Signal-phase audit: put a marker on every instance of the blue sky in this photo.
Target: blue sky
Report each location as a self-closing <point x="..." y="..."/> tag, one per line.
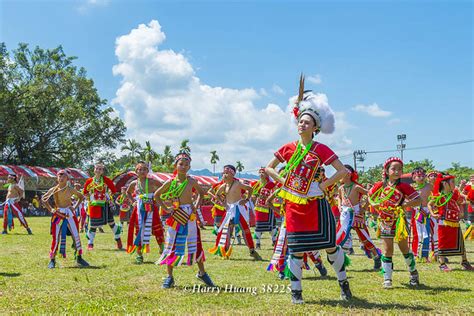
<point x="411" y="61"/>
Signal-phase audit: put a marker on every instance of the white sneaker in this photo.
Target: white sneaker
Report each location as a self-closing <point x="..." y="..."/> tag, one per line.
<point x="387" y="284"/>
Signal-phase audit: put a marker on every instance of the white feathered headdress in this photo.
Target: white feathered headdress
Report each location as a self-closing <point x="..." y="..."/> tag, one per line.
<point x="316" y="105"/>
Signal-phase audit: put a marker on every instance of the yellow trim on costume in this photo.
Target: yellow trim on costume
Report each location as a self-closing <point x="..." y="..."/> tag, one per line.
<point x="292" y="198"/>
<point x="297" y="199"/>
<point x="401" y="232"/>
<point x="262" y="209"/>
<point x="219" y="207"/>
<point x="450" y="224"/>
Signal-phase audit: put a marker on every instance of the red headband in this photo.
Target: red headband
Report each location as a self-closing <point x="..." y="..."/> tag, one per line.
<point x="418" y="172"/>
<point x="431" y="173"/>
<point x="387" y="163"/>
<point x="230" y="170"/>
<point x="182" y="156"/>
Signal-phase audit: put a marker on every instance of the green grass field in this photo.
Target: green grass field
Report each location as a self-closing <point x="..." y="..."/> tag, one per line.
<point x="115" y="284"/>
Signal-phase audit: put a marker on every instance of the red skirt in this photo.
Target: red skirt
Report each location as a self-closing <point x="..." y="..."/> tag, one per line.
<point x="302" y="217"/>
<point x="450" y="241"/>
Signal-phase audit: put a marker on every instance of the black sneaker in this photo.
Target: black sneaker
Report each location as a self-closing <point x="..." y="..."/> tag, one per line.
<point x="255" y="255"/>
<point x="168" y="283"/>
<point x="297" y="297"/>
<point x="206" y="279"/>
<point x="281" y="275"/>
<point x="4" y="232"/>
<point x="258" y="246"/>
<point x="239" y="240"/>
<point x="81" y="262"/>
<point x="139" y="259"/>
<point x="29" y="231"/>
<point x="52" y="264"/>
<point x="414" y="278"/>
<point x="377" y="263"/>
<point x="322" y="269"/>
<point x="345" y="290"/>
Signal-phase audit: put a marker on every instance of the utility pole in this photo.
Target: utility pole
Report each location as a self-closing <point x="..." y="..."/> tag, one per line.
<point x="359" y="156"/>
<point x="401" y="147"/>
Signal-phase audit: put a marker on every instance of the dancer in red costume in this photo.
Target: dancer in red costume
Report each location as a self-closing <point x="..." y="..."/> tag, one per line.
<point x="264" y="217"/>
<point x="310" y="223"/>
<point x="390" y="197"/>
<point x="467" y="190"/>
<point x="445" y="205"/>
<point x="99" y="210"/>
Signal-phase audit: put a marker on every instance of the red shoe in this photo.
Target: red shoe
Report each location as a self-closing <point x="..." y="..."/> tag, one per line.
<point x="119" y="244"/>
<point x="466" y="266"/>
<point x="90" y="247"/>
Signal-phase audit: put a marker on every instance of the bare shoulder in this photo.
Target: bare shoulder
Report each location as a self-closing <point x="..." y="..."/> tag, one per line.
<point x="191" y="180"/>
<point x="155" y="183"/>
<point x="361" y="189"/>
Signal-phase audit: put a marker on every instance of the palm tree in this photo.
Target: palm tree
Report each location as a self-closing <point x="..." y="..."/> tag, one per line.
<point x="167" y="157"/>
<point x="239" y="166"/>
<point x="214" y="160"/>
<point x="184" y="146"/>
<point x="134" y="148"/>
<point x="149" y="155"/>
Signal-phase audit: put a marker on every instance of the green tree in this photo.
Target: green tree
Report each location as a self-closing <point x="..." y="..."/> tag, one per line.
<point x="184" y="146"/>
<point x="239" y="166"/>
<point x="167" y="159"/>
<point x="214" y="160"/>
<point x="425" y="164"/>
<point x="372" y="175"/>
<point x="50" y="112"/>
<point x="134" y="148"/>
<point x="461" y="172"/>
<point x="148" y="154"/>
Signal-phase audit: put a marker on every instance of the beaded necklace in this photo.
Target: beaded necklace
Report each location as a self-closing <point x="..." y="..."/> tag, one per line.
<point x="437" y="199"/>
<point x="296" y="158"/>
<point x="174" y="190"/>
<point x="375" y="198"/>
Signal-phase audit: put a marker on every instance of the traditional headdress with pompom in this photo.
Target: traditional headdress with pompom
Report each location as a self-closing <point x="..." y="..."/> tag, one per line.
<point x="309" y="103"/>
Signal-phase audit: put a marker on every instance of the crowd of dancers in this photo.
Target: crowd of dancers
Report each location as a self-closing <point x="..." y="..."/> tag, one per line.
<point x="302" y="209"/>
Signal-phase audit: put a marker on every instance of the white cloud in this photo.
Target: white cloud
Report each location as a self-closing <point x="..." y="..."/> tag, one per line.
<point x="277" y="89"/>
<point x="263" y="92"/>
<point x="316" y="79"/>
<point x="162" y="100"/>
<point x="372" y="109"/>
